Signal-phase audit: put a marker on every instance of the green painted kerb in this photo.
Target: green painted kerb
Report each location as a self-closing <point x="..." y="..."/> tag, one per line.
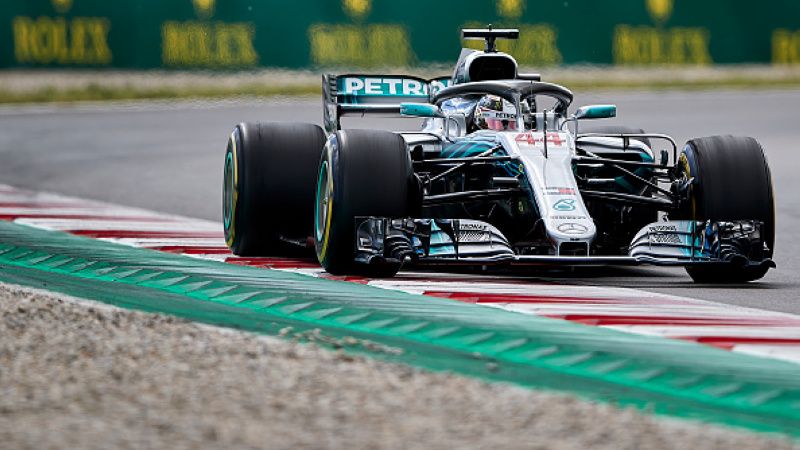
<point x="660" y="375"/>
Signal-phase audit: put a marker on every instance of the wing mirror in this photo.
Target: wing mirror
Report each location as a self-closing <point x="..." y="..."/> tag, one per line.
<point x="596" y="112"/>
<point x="420" y="110"/>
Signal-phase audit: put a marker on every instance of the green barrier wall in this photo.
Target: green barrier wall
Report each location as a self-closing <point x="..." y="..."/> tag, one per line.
<point x="219" y="34"/>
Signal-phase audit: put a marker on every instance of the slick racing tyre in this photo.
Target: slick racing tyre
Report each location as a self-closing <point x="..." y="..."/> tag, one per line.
<point x="361" y="173"/>
<point x="269" y="186"/>
<point x="732" y="181"/>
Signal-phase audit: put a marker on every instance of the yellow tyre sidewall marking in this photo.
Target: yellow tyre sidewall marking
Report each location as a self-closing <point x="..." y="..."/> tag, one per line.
<point x="235" y="193"/>
<point x="326" y="235"/>
<point x="684" y="161"/>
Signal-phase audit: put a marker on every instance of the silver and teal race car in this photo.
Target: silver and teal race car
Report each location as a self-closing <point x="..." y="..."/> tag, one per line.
<point x="501" y="172"/>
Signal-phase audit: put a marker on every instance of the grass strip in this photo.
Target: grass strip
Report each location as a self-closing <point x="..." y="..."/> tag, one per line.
<point x="96" y="92"/>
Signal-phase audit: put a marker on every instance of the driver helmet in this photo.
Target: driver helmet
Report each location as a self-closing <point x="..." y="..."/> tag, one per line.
<point x="495" y="113"/>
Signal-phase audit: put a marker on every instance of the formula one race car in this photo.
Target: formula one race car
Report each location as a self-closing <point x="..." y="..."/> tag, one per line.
<point x="500" y="173"/>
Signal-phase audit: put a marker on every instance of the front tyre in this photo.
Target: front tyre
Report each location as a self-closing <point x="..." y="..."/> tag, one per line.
<point x="362" y="173"/>
<point x="732" y="181"/>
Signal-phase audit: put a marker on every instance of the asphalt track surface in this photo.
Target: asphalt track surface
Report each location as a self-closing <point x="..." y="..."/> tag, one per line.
<point x="167" y="156"/>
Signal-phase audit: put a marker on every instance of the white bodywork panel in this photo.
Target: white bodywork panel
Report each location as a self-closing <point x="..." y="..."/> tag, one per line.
<point x="555" y="190"/>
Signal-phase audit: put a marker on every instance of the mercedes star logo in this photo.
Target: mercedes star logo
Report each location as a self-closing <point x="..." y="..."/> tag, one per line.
<point x="572" y="228"/>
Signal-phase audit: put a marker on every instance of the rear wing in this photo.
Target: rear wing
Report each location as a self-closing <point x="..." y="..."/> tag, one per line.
<point x="369" y="94"/>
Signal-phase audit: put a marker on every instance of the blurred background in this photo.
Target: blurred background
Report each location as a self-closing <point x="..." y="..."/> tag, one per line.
<point x="164" y="49"/>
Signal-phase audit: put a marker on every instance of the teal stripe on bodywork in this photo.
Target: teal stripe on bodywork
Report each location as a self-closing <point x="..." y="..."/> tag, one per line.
<point x="660" y="375"/>
<point x="468" y="147"/>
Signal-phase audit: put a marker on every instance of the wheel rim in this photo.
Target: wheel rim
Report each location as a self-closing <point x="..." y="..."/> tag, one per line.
<point x="323" y="205"/>
<point x="686" y="161"/>
<point x="227" y="191"/>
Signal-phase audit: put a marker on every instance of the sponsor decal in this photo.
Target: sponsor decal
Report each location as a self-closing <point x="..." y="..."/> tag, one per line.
<point x="667" y="234"/>
<point x="62" y="6"/>
<point x="660" y="45"/>
<point x="572" y="228"/>
<point x="786" y="46"/>
<point x="404" y="87"/>
<point x="510" y="9"/>
<point x="208" y="44"/>
<point x="568" y="217"/>
<point x="565" y="204"/>
<point x="472" y="227"/>
<point x="533" y="138"/>
<point x="635" y="45"/>
<point x="663" y="228"/>
<point x="660" y="10"/>
<point x="498" y="115"/>
<point x="559" y="191"/>
<point x="203" y="43"/>
<point x="60" y="40"/>
<point x="361" y="45"/>
<point x="473" y="232"/>
<point x="204" y="8"/>
<point x="357" y="9"/>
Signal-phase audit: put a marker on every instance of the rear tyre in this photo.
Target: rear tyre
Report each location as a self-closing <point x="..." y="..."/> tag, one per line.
<point x="361" y="173"/>
<point x="732" y="181"/>
<point x="269" y="186"/>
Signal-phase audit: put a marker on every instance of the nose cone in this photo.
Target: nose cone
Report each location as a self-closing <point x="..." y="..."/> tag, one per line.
<point x="571" y="230"/>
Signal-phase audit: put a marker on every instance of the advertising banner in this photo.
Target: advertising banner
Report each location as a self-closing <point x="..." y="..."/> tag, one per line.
<point x="371" y="34"/>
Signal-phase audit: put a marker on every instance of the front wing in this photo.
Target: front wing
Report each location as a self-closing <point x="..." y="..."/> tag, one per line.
<point x="471" y="242"/>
